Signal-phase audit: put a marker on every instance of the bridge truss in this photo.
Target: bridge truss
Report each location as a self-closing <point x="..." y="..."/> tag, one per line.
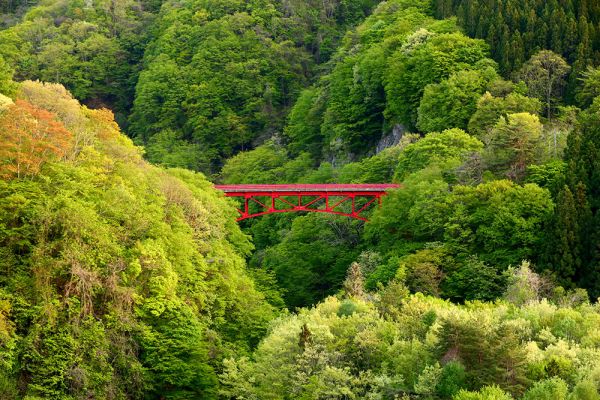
<point x="350" y="200"/>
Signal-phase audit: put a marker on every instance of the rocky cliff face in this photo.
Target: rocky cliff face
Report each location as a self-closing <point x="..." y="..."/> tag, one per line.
<point x="391" y="139"/>
<point x="340" y="155"/>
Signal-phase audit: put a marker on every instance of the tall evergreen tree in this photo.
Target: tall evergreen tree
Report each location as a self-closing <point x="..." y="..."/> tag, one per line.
<point x="583" y="180"/>
<point x="565" y="248"/>
<point x="565" y="27"/>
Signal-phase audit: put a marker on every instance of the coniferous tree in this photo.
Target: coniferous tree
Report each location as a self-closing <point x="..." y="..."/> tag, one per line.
<point x="564" y="243"/>
<point x="565" y="27"/>
<point x="583" y="180"/>
<point x="355" y="282"/>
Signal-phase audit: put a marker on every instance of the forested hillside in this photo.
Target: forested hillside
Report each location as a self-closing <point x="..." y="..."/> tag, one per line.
<point x="118" y="279"/>
<point x="517" y="29"/>
<point x="123" y="272"/>
<point x="93" y="48"/>
<point x="236" y="67"/>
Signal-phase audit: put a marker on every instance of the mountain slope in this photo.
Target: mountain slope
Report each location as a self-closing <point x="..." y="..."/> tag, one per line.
<point x="117" y="278"/>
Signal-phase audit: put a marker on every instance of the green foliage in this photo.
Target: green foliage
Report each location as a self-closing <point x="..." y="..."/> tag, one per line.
<point x="159" y="94"/>
<point x="563" y="246"/>
<point x="551" y="389"/>
<point x="174" y="352"/>
<point x="572" y="240"/>
<point x="121" y="279"/>
<point x="394" y="226"/>
<point x="223" y="75"/>
<point x="240" y="92"/>
<point x="487" y="393"/>
<point x="7" y="86"/>
<point x="585" y="390"/>
<point x="488" y="347"/>
<point x="422" y="347"/>
<point x="342" y="115"/>
<point x="50" y="363"/>
<point x="452" y="379"/>
<point x="215" y="75"/>
<point x="451" y="103"/>
<point x="256" y="166"/>
<point x="168" y="149"/>
<point x="311" y="260"/>
<point x="550" y="175"/>
<point x="267" y="163"/>
<point x="499" y="221"/>
<point x="319" y="27"/>
<point x="590" y="88"/>
<point x="384" y="273"/>
<point x="447" y="147"/>
<point x="311" y="371"/>
<point x="431" y="62"/>
<point x="376" y="169"/>
<point x="92" y="49"/>
<point x="303" y="128"/>
<point x="544" y="75"/>
<point x="517" y="29"/>
<point x="491" y="108"/>
<point x="473" y="279"/>
<point x="353" y="115"/>
<point x="8" y="387"/>
<point x="423" y="270"/>
<point x="524" y="286"/>
<point x="513" y="144"/>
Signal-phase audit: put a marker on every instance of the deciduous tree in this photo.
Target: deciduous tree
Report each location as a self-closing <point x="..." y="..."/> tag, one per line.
<point x="29" y="136"/>
<point x="512" y="145"/>
<point x="545" y="75"/>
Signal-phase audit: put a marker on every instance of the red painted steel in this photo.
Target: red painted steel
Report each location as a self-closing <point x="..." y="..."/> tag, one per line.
<point x="276" y="198"/>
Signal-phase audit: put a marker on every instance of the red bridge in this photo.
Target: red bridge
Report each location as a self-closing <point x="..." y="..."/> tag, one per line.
<point x="349" y="199"/>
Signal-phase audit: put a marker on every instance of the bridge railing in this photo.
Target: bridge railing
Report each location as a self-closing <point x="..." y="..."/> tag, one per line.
<point x="350" y="200"/>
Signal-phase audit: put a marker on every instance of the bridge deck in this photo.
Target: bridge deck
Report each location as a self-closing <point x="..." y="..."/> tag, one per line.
<point x="303" y="188"/>
<point x="342" y="199"/>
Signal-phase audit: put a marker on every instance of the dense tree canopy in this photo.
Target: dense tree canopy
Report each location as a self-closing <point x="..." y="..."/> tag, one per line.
<point x="412" y="69"/>
<point x="124" y="275"/>
<point x="396" y="345"/>
<point x="517" y="29"/>
<point x="118" y="278"/>
<point x="221" y="75"/>
<point x="91" y="48"/>
<point x="451" y="103"/>
<point x="343" y="116"/>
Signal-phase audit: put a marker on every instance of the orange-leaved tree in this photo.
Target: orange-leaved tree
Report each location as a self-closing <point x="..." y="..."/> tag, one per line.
<point x="30" y="136"/>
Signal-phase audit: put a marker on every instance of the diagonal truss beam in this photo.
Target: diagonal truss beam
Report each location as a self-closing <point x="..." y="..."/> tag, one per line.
<point x="310" y="198"/>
